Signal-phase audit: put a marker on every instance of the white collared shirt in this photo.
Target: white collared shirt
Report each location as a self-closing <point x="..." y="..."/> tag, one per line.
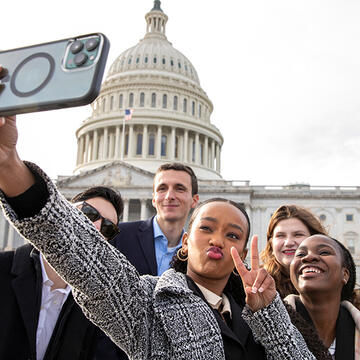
<point x="51" y="304"/>
<point x="215" y="300"/>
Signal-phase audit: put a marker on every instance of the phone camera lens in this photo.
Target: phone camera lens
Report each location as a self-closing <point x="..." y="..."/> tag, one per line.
<point x="92" y="44"/>
<point x="80" y="59"/>
<point x="76" y="46"/>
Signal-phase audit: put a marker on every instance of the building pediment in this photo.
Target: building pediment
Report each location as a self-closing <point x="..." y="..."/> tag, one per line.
<point x="117" y="174"/>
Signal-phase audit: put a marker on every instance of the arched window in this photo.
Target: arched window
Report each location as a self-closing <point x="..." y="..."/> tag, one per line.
<point x="172" y="62"/>
<point x="142" y="99"/>
<point x="163" y="145"/>
<point x="199" y="110"/>
<point x="137" y="60"/>
<point x="193" y="108"/>
<point x="151" y="144"/>
<point x="163" y="61"/>
<point x="131" y="100"/>
<point x="164" y="103"/>
<point x="111" y="102"/>
<point x="185" y="106"/>
<point x="121" y="98"/>
<point x="153" y="100"/>
<point x="126" y="144"/>
<point x="104" y="104"/>
<point x="139" y="144"/>
<point x="146" y="59"/>
<point x="175" y="105"/>
<point x="129" y="61"/>
<point x="155" y="60"/>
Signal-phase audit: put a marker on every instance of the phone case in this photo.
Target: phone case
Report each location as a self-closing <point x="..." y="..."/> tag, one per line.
<point x="52" y="75"/>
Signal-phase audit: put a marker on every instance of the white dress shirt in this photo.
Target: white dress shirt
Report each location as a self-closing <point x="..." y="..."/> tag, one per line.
<point x="51" y="304"/>
<point x="216" y="301"/>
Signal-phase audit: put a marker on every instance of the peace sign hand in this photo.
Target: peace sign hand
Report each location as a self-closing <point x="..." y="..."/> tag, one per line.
<point x="259" y="286"/>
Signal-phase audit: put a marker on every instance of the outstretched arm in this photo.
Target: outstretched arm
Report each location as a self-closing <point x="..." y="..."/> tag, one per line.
<point x="105" y="284"/>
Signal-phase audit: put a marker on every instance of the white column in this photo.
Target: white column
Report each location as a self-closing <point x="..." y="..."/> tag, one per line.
<point x="95" y="145"/>
<point x="144" y="141"/>
<point x="131" y="141"/>
<point x="217" y="157"/>
<point x="158" y="143"/>
<point x="80" y="157"/>
<point x="122" y="145"/>
<point x="105" y="144"/>
<point x="126" y="210"/>
<point x="172" y="145"/>
<point x="111" y="146"/>
<point x="197" y="149"/>
<point x="143" y="212"/>
<point x="87" y="141"/>
<point x="206" y="151"/>
<point x="213" y="154"/>
<point x="186" y="146"/>
<point x="117" y="142"/>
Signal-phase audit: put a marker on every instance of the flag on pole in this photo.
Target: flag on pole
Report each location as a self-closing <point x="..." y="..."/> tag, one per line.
<point x="128" y="114"/>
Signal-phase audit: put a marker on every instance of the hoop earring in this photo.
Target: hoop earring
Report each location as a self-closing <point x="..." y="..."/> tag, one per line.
<point x="181" y="256"/>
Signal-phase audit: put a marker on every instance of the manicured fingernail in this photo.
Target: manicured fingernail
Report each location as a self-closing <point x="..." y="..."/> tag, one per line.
<point x="261" y="289"/>
<point x="254" y="290"/>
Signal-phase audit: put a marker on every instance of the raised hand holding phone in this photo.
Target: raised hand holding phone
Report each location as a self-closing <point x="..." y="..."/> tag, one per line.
<point x="259" y="286"/>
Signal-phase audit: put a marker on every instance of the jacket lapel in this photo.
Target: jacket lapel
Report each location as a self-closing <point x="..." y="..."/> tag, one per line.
<point x="25" y="285"/>
<point x="146" y="239"/>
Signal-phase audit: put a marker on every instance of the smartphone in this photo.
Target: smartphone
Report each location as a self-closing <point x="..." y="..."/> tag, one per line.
<point x="52" y="75"/>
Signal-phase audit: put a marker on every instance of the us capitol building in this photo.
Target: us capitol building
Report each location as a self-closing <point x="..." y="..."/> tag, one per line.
<point x="171" y="122"/>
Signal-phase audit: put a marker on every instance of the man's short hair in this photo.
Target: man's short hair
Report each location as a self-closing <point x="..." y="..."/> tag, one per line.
<point x="104" y="192"/>
<point x="180" y="167"/>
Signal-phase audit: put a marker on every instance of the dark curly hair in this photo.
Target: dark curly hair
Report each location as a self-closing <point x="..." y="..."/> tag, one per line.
<point x="347" y="292"/>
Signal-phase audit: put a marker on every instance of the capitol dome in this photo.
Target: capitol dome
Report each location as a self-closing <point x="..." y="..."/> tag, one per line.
<point x="170" y="111"/>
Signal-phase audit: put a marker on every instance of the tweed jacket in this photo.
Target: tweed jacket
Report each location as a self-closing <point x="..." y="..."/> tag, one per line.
<point x="148" y="317"/>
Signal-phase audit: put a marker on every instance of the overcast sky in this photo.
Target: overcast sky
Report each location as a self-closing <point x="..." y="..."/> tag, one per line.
<point x="283" y="75"/>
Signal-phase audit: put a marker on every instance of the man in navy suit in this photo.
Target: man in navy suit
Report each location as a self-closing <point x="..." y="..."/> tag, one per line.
<point x="149" y="245"/>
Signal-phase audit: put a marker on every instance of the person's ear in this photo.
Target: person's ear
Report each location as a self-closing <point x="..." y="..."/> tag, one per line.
<point x="195" y="201"/>
<point x="185" y="238"/>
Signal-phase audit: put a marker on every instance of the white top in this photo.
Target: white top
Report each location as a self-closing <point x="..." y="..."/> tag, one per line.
<point x="51" y="304"/>
<point x="216" y="301"/>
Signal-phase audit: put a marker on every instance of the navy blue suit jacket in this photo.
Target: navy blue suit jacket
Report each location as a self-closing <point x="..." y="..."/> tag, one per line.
<point x="136" y="242"/>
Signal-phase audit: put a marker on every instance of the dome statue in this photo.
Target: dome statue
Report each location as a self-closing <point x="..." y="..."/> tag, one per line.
<point x="170" y="113"/>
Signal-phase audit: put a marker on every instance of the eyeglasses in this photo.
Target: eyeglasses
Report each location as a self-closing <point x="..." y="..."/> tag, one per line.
<point x="108" y="228"/>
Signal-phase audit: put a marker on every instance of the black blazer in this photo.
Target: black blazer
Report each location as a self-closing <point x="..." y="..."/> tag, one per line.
<point x="20" y="300"/>
<point x="136" y="242"/>
<point x="238" y="339"/>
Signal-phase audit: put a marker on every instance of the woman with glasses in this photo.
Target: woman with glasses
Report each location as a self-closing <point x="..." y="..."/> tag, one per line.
<point x="168" y="317"/>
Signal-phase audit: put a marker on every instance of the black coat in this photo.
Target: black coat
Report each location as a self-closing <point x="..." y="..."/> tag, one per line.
<point x="20" y="300"/>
